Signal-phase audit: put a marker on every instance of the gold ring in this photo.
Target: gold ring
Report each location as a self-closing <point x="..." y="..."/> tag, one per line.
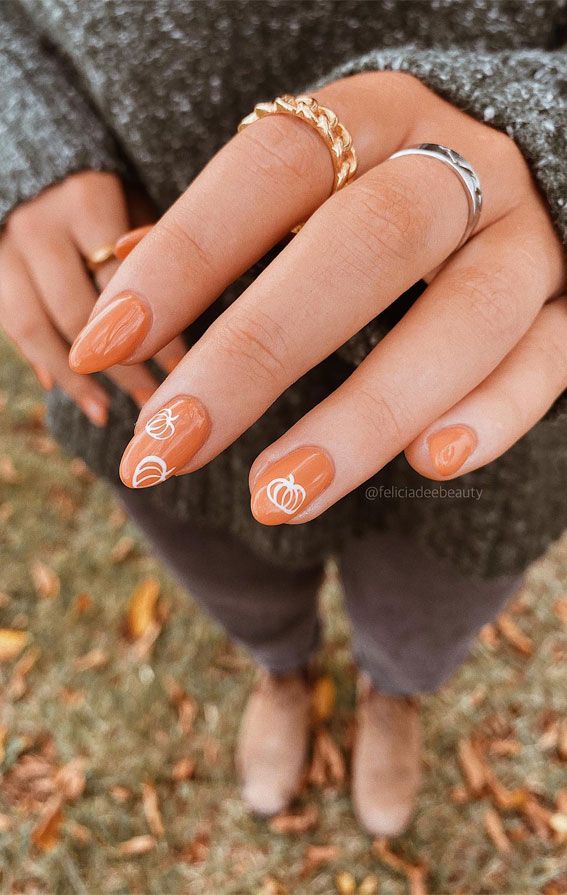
<point x="99" y="257"/>
<point x="334" y="134"/>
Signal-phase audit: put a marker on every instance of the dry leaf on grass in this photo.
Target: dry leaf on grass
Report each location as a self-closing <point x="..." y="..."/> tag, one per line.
<point x="6" y="823"/>
<point x="79" y="833"/>
<point x="196" y="851"/>
<point x="138" y="845"/>
<point x="8" y="472"/>
<point x="495" y="830"/>
<point x="96" y="658"/>
<point x="122" y="549"/>
<point x="506" y="747"/>
<point x="183" y="769"/>
<point x="17" y="685"/>
<point x="289" y="824"/>
<point x="345" y="883"/>
<point x="537" y="816"/>
<point x="185" y="705"/>
<point x="558" y="823"/>
<point x="45" y="580"/>
<point x="415" y="873"/>
<point x="562" y="740"/>
<point x="370" y="885"/>
<point x="514" y="635"/>
<point x="472" y="766"/>
<point x="327" y="765"/>
<point x="323" y="699"/>
<point x="560" y="609"/>
<point x="151" y="809"/>
<point x="561" y="800"/>
<point x="489" y="637"/>
<point x="81" y="471"/>
<point x="45" y="835"/>
<point x="11" y="643"/>
<point x="272" y="886"/>
<point x="70" y="779"/>
<point x="315" y="855"/>
<point x="120" y="793"/>
<point x="82" y="603"/>
<point x="141" y="613"/>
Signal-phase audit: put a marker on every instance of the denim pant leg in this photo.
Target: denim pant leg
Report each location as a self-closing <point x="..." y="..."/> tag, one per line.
<point x="270" y="612"/>
<point x="414" y="617"/>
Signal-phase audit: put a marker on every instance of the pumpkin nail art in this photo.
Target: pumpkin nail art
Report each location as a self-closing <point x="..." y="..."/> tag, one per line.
<point x="166" y="443"/>
<point x="111" y="335"/>
<point x="290" y="485"/>
<point x="450" y="447"/>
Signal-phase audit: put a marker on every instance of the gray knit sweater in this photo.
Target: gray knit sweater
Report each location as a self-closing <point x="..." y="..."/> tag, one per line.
<point x="152" y="88"/>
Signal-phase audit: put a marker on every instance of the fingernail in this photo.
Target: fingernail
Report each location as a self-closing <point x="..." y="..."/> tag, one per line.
<point x="450" y="447"/>
<point x="169" y="439"/>
<point x="112" y="335"/>
<point x="290" y="485"/>
<point x="142" y="395"/>
<point x="44" y="377"/>
<point x="129" y="241"/>
<point x="95" y="410"/>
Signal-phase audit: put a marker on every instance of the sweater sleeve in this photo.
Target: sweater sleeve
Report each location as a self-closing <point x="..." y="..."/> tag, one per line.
<point x="47" y="128"/>
<point x="522" y="93"/>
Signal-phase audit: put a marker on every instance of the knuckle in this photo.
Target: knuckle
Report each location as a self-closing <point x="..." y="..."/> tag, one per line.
<point x="270" y="154"/>
<point x="256" y="345"/>
<point x="489" y="301"/>
<point x="183" y="243"/>
<point x="383" y="414"/>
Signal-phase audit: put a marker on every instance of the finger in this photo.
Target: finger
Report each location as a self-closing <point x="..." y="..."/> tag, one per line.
<point x="263" y="182"/>
<point x="29" y="327"/>
<point x="501" y="409"/>
<point x="459" y="330"/>
<point x="128" y="241"/>
<point x="59" y="272"/>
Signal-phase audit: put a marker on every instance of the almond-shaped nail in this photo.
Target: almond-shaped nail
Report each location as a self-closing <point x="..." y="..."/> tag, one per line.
<point x="130" y="240"/>
<point x="169" y="439"/>
<point x="290" y="485"/>
<point x="112" y="335"/>
<point x="450" y="448"/>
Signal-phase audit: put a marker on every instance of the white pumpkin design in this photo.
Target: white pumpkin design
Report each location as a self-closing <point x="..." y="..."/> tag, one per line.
<point x="161" y="426"/>
<point x="286" y="494"/>
<point x="150" y="471"/>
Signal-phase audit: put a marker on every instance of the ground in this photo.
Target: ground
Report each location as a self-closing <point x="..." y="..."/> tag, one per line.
<point x="139" y="702"/>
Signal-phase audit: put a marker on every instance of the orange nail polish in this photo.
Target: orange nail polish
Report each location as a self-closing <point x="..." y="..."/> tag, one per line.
<point x="44" y="377"/>
<point x="450" y="447"/>
<point x="290" y="485"/>
<point x="95" y="410"/>
<point x="130" y="240"/>
<point x="112" y="335"/>
<point x="142" y="395"/>
<point x="170" y="438"/>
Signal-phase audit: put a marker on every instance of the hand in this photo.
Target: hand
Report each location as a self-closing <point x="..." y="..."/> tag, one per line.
<point x="471" y="367"/>
<point x="47" y="295"/>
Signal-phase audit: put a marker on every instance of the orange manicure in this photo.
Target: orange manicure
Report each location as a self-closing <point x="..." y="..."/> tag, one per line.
<point x="130" y="240"/>
<point x="450" y="447"/>
<point x="112" y="335"/>
<point x="166" y="443"/>
<point x="291" y="484"/>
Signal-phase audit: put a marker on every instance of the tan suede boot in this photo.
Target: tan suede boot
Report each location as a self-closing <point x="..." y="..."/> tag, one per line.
<point x="273" y="741"/>
<point x="386" y="761"/>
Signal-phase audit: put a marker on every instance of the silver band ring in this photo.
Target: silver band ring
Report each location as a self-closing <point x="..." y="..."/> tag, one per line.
<point x="464" y="171"/>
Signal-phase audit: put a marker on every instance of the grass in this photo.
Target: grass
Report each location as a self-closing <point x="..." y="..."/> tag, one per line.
<point x="119" y="717"/>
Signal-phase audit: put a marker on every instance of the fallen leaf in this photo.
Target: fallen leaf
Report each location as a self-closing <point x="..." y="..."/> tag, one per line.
<point x="45" y="835"/>
<point x="323" y="699"/>
<point x="120" y="793"/>
<point x="6" y="823"/>
<point x="183" y="769"/>
<point x="558" y="823"/>
<point x="45" y="580"/>
<point x="82" y="603"/>
<point x="505" y="799"/>
<point x="515" y="637"/>
<point x="301" y="822"/>
<point x="459" y="795"/>
<point x="196" y="851"/>
<point x="506" y="747"/>
<point x="151" y="809"/>
<point x="8" y="472"/>
<point x="186" y="706"/>
<point x="122" y="549"/>
<point x="141" y="614"/>
<point x="560" y="609"/>
<point x="81" y="834"/>
<point x="96" y="658"/>
<point x="315" y="855"/>
<point x="345" y="883"/>
<point x="561" y="800"/>
<point x="537" y="816"/>
<point x="70" y="779"/>
<point x="495" y="830"/>
<point x="328" y="766"/>
<point x="473" y="768"/>
<point x="489" y="638"/>
<point x="272" y="886"/>
<point x="138" y="845"/>
<point x="370" y="885"/>
<point x="5" y="599"/>
<point x="11" y="643"/>
<point x="415" y="873"/>
<point x="81" y="471"/>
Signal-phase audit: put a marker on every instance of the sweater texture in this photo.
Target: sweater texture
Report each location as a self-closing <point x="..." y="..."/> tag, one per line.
<point x="151" y="90"/>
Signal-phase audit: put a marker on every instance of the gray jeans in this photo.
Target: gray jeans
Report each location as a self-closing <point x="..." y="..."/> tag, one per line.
<point x="413" y="618"/>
